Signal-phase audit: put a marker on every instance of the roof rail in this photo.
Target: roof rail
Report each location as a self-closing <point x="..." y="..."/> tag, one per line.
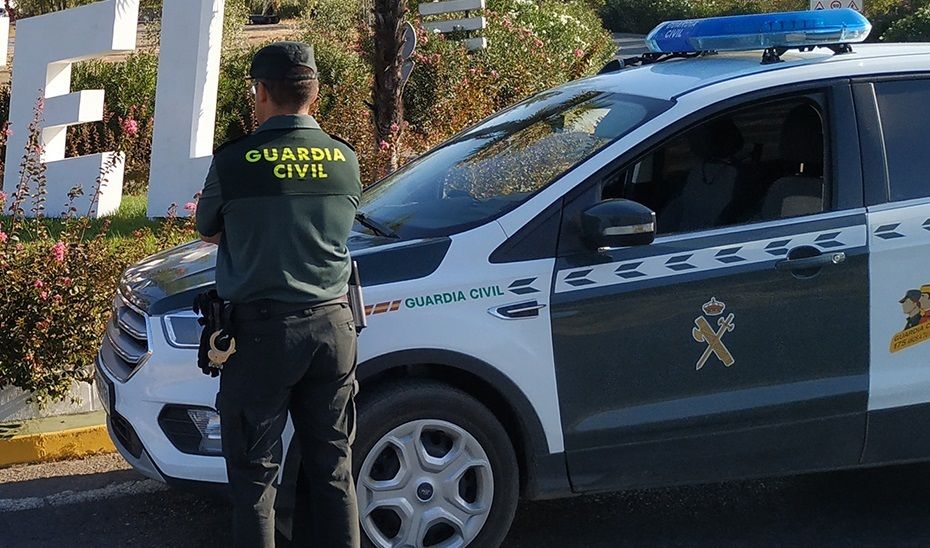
<point x="773" y="55"/>
<point x="649" y="59"/>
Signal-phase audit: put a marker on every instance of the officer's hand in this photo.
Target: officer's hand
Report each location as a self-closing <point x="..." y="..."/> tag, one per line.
<point x="209" y="371"/>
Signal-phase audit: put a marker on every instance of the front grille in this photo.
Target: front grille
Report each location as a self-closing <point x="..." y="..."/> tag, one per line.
<point x="125" y="344"/>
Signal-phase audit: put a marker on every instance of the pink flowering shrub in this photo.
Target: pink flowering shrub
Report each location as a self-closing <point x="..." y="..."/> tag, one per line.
<point x="58" y="282"/>
<point x="59" y="250"/>
<point x="129" y="126"/>
<point x="128" y="119"/>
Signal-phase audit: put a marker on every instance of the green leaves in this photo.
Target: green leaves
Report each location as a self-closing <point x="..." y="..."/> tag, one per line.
<point x="53" y="312"/>
<point x="910" y="27"/>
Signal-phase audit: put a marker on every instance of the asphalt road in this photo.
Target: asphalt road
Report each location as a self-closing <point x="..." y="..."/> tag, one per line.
<point x="629" y="45"/>
<point x="98" y="502"/>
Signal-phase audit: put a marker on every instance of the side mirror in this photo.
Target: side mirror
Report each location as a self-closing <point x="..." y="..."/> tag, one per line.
<point x="619" y="223"/>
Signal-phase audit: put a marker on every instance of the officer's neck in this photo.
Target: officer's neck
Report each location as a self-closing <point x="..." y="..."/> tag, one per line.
<point x="289" y="111"/>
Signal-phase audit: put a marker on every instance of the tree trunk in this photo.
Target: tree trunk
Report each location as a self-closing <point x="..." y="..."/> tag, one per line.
<point x="270" y="7"/>
<point x="387" y="94"/>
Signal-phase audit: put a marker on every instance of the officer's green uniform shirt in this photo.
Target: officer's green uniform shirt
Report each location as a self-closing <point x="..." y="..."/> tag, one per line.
<point x="285" y="199"/>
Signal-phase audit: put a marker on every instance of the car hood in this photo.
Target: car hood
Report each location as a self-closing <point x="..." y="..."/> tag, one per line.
<point x="171" y="279"/>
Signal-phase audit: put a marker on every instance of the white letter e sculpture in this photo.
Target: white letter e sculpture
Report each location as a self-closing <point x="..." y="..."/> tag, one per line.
<point x="46" y="47"/>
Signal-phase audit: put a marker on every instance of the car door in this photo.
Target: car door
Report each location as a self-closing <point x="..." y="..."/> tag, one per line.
<point x="737" y="343"/>
<point x="895" y="120"/>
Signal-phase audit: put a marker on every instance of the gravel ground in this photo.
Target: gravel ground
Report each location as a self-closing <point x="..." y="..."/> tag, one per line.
<point x="89" y="466"/>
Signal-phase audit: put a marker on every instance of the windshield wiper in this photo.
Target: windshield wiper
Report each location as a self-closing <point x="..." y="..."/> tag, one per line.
<point x="376" y="227"/>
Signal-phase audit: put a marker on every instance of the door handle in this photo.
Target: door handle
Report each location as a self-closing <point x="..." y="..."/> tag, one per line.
<point x="519" y="311"/>
<point x="806" y="263"/>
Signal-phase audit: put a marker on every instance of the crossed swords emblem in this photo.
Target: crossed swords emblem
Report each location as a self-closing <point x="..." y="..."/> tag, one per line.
<point x="714" y="339"/>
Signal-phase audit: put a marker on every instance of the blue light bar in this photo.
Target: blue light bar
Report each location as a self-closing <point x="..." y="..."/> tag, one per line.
<point x="763" y="31"/>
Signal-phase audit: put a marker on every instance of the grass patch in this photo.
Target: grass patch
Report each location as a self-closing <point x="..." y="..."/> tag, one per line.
<point x="130" y="217"/>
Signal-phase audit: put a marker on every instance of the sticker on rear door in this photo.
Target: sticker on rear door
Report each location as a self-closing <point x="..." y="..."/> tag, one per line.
<point x="916" y="307"/>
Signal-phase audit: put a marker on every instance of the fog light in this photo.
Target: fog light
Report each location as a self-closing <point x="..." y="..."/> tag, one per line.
<point x="208" y="424"/>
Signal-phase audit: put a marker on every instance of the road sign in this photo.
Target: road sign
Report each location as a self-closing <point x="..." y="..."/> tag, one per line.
<point x="857" y="5"/>
<point x="467" y="25"/>
<point x="410" y="44"/>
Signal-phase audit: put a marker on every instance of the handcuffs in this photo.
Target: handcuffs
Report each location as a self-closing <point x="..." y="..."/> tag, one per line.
<point x="215" y="318"/>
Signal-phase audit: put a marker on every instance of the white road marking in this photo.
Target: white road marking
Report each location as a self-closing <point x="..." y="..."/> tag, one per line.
<point x="65" y="498"/>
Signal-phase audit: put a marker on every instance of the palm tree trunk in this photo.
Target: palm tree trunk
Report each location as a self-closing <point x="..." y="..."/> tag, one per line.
<point x="387" y="95"/>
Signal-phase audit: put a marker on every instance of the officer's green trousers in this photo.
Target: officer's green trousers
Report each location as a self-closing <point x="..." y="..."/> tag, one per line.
<point x="301" y="362"/>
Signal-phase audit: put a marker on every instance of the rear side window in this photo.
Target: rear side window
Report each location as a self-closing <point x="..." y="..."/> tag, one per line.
<point x="905" y="112"/>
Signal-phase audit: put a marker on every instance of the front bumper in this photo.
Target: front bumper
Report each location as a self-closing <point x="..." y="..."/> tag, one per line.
<point x="141" y="461"/>
<point x="169" y="377"/>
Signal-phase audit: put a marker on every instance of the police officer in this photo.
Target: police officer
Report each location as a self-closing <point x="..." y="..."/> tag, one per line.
<point x="280" y="204"/>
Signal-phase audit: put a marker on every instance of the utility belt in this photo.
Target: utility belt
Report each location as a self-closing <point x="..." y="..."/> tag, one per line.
<point x="263" y="310"/>
<point x="219" y="318"/>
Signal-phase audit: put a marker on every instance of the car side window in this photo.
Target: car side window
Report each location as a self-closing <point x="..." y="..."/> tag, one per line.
<point x="763" y="162"/>
<point x="902" y="105"/>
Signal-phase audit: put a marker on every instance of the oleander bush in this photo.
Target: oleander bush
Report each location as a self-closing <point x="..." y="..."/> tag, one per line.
<point x="234" y="103"/>
<point x="59" y="277"/>
<point x="533" y="45"/>
<point x="893" y="20"/>
<point x="907" y="21"/>
<point x="638" y="17"/>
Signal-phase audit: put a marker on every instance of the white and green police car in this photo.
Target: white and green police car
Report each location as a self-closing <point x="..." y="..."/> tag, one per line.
<point x="711" y="263"/>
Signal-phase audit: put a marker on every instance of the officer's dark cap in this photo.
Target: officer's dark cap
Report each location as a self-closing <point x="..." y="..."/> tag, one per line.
<point x="911" y="295"/>
<point x="277" y="62"/>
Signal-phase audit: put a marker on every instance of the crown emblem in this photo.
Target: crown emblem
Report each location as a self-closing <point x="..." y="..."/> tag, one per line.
<point x="713" y="307"/>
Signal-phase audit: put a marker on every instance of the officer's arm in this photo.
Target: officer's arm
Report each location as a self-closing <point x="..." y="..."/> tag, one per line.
<point x="209" y="209"/>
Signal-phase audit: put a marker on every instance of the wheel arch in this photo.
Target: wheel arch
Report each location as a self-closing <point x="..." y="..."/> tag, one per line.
<point x="542" y="474"/>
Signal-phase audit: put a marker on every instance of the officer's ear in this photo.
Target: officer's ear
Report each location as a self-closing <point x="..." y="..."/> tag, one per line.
<point x="314" y="98"/>
<point x="261" y="92"/>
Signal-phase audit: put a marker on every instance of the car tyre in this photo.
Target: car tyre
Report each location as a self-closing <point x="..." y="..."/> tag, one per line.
<point x="441" y="425"/>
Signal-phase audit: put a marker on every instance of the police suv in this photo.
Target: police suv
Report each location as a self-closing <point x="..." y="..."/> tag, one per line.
<point x="702" y="264"/>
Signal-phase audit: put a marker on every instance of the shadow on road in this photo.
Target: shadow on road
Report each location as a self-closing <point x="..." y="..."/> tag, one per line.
<point x="45" y="487"/>
<point x="880" y="507"/>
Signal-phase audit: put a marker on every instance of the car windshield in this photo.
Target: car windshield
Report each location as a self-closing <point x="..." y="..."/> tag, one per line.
<point x="494" y="166"/>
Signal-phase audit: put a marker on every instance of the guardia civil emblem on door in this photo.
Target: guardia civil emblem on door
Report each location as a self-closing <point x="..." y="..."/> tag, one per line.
<point x="704" y="332"/>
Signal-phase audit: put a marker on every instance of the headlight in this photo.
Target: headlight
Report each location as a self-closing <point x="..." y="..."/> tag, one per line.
<point x="182" y="330"/>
